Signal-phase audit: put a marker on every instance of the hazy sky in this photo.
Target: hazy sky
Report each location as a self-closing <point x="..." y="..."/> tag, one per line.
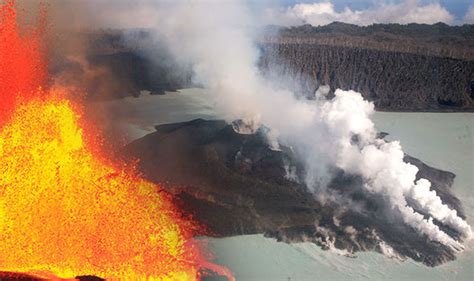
<point x="456" y="7"/>
<point x="366" y="12"/>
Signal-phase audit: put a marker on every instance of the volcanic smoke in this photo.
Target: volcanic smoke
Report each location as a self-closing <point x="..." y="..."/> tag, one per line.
<point x="65" y="209"/>
<point x="219" y="41"/>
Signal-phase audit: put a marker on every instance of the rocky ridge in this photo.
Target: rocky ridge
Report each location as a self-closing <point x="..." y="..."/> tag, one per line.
<point x="412" y="67"/>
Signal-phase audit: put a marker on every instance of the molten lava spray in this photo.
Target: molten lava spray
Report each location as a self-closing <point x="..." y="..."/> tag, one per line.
<point x="63" y="209"/>
<point x="22" y="67"/>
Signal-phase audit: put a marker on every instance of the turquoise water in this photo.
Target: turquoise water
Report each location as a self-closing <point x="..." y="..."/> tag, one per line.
<point x="138" y="116"/>
<point x="442" y="140"/>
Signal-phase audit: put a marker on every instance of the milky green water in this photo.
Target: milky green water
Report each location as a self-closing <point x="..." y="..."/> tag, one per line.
<point x="442" y="140"/>
<point x="138" y="116"/>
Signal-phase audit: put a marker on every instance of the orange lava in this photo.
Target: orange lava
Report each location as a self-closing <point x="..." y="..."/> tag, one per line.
<point x="22" y="67"/>
<point x="63" y="209"/>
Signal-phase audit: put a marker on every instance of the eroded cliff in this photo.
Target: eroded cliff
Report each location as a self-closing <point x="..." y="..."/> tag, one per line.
<point x="407" y="68"/>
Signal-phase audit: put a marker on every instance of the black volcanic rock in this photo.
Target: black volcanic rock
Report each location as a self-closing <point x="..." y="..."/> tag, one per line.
<point x="235" y="185"/>
<point x="5" y="275"/>
<point x="18" y="276"/>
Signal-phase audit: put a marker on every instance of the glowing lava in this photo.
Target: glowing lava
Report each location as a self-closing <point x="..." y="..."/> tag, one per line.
<point x="63" y="209"/>
<point x="22" y="67"/>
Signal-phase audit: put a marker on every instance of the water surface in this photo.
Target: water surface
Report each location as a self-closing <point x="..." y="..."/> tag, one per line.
<point x="442" y="140"/>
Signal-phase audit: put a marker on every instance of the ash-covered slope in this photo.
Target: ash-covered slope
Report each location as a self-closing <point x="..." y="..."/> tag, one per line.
<point x="235" y="184"/>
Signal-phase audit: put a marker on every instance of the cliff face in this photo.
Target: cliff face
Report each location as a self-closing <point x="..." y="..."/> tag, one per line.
<point x="407" y="68"/>
<point x="400" y="68"/>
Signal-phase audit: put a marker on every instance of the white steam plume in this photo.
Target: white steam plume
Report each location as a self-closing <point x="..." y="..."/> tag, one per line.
<point x="217" y="39"/>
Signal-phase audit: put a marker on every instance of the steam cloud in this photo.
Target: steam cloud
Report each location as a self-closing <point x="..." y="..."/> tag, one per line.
<point x="218" y="40"/>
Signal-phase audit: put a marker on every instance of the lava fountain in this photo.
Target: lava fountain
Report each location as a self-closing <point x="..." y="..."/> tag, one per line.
<point x="65" y="209"/>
